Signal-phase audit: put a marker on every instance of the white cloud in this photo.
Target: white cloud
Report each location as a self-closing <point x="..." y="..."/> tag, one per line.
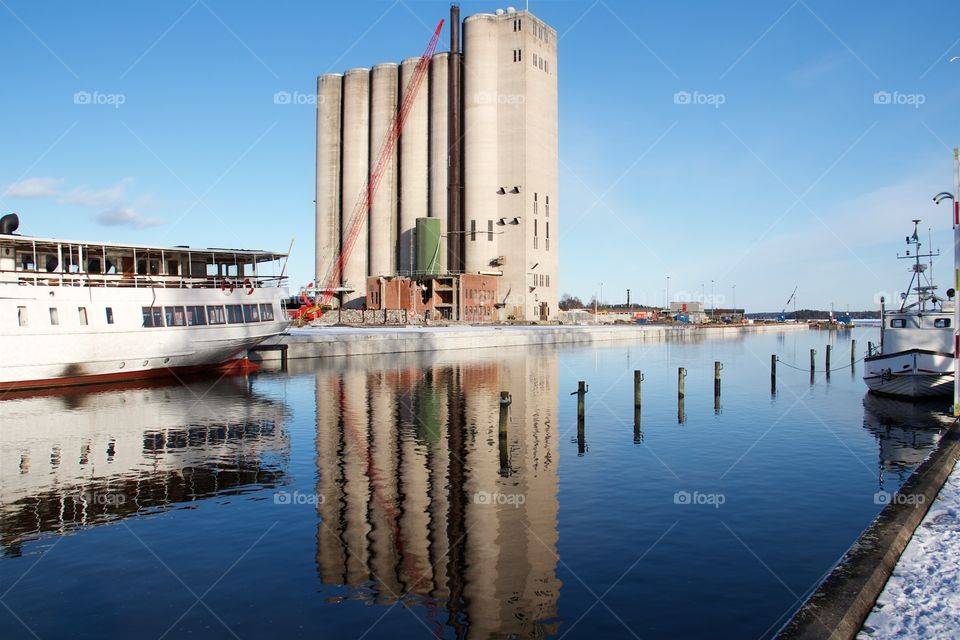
<point x="86" y="197"/>
<point x="33" y="188"/>
<point x="126" y="217"/>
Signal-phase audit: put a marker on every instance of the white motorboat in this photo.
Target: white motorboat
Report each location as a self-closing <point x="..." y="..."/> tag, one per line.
<point x="915" y="356"/>
<point x="92" y="312"/>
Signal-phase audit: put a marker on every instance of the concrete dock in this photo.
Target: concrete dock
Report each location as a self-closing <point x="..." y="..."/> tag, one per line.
<point x="323" y="342"/>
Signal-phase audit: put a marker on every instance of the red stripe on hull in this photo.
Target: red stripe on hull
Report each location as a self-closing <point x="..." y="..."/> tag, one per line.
<point x="241" y="366"/>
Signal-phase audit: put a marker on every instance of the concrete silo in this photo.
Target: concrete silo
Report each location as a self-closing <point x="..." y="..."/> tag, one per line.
<point x="480" y="77"/>
<point x="356" y="169"/>
<point x="414" y="158"/>
<point x="383" y="209"/>
<point x="329" y="89"/>
<point x="439" y="148"/>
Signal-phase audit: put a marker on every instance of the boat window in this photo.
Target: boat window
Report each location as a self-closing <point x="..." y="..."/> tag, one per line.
<point x="54" y="315"/>
<point x="898" y="323"/>
<point x="152" y="317"/>
<point x="109" y="315"/>
<point x="22" y="316"/>
<point x="266" y="312"/>
<point x="175" y="316"/>
<point x="941" y="323"/>
<point x="82" y="312"/>
<point x="196" y="316"/>
<point x="216" y="315"/>
<point x="251" y="313"/>
<point x="234" y="314"/>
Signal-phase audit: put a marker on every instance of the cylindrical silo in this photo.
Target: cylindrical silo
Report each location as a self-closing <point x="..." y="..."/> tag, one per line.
<point x="383" y="209"/>
<point x="329" y="87"/>
<point x="439" y="149"/>
<point x="356" y="167"/>
<point x="480" y="75"/>
<point x="414" y="158"/>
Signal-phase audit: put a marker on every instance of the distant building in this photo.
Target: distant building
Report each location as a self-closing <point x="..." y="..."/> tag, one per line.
<point x="478" y="153"/>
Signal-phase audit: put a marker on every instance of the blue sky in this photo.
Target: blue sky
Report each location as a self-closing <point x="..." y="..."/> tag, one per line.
<point x="743" y="143"/>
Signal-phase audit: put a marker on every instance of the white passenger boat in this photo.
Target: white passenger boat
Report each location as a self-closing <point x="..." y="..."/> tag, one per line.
<point x="90" y="312"/>
<point x="915" y="357"/>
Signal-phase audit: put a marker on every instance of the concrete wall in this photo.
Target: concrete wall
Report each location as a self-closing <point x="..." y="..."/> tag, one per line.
<point x="329" y="88"/>
<point x="383" y="209"/>
<point x="356" y="166"/>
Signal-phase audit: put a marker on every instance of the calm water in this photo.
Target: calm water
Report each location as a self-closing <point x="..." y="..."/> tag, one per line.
<point x="367" y="497"/>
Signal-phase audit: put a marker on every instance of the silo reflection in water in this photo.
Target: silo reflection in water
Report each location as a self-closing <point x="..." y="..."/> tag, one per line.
<point x="415" y="507"/>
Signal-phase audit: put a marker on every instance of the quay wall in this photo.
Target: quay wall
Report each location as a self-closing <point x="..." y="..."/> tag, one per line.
<point x="322" y="342"/>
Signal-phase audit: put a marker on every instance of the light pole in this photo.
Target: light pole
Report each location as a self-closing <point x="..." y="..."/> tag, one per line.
<point x="713" y="301"/>
<point x="955" y="197"/>
<point x="668" y="293"/>
<point x="734" y="312"/>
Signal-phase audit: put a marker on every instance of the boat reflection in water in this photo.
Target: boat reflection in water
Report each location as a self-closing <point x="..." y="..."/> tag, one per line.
<point x="87" y="457"/>
<point x="906" y="431"/>
<point x="416" y="503"/>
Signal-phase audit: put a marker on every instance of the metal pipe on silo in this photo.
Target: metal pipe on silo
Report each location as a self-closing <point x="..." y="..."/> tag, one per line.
<point x="329" y="87"/>
<point x="383" y="210"/>
<point x="356" y="169"/>
<point x="455" y="150"/>
<point x="414" y="158"/>
<point x="479" y="138"/>
<point x="439" y="149"/>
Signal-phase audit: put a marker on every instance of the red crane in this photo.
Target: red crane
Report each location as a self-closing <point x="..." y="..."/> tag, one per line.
<point x="311" y="310"/>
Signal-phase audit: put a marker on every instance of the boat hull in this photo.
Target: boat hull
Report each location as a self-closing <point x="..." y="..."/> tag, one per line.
<point x="108" y="342"/>
<point x="914" y="373"/>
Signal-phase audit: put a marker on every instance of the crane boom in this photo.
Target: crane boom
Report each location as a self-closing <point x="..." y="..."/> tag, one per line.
<point x="365" y="198"/>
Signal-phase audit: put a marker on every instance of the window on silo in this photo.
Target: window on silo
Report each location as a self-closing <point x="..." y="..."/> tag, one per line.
<point x="534" y="203"/>
<point x="490" y="230"/>
<point x="548" y="206"/>
<point x="473" y="230"/>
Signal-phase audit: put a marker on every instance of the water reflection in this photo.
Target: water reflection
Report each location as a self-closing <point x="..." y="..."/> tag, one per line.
<point x="906" y="432"/>
<point x="421" y="500"/>
<point x="84" y="457"/>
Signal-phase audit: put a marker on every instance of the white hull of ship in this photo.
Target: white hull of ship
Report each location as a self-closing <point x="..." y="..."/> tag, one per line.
<point x="43" y="354"/>
<point x="915" y="373"/>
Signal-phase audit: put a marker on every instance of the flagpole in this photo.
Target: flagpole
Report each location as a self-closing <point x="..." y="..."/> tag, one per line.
<point x="956" y="282"/>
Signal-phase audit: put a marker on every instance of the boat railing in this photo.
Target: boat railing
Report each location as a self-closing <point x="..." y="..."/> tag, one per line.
<point x="137" y="281"/>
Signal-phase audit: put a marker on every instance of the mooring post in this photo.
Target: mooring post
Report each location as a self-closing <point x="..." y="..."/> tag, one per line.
<point x="716" y="377"/>
<point x="813" y="360"/>
<point x="681" y="377"/>
<point x="637" y="379"/>
<point x="853" y="352"/>
<point x="773" y="374"/>
<point x="681" y="414"/>
<point x="581" y="427"/>
<point x="505" y="401"/>
<point x="827" y="360"/>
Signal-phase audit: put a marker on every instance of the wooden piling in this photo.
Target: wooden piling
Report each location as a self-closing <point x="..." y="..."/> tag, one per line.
<point x="681" y="377"/>
<point x="637" y="379"/>
<point x="813" y="360"/>
<point x="773" y="374"/>
<point x="853" y="352"/>
<point x="827" y="360"/>
<point x="505" y="401"/>
<point x="581" y="424"/>
<point x="716" y="377"/>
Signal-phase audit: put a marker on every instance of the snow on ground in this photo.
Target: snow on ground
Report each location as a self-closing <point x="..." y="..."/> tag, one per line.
<point x="922" y="597"/>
